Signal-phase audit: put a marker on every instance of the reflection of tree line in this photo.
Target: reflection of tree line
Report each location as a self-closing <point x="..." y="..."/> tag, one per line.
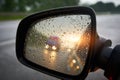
<point x="35" y="38"/>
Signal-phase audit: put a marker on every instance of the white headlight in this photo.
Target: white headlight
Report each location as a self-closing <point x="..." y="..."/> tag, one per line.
<point x="74" y="61"/>
<point x="54" y="47"/>
<point x="47" y="46"/>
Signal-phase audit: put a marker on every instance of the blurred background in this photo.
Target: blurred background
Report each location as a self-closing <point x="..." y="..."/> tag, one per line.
<point x="17" y="9"/>
<point x="11" y="13"/>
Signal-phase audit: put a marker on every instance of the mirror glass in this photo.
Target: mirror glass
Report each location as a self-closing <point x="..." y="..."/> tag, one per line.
<point x="59" y="43"/>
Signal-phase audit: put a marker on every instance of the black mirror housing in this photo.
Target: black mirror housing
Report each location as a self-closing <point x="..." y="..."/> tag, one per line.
<point x="25" y="25"/>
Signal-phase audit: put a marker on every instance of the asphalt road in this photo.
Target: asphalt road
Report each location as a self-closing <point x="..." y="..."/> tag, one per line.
<point x="11" y="69"/>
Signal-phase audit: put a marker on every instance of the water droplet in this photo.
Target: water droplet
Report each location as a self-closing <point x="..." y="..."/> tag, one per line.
<point x="64" y="32"/>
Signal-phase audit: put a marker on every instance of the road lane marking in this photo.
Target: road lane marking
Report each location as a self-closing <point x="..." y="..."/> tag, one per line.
<point x="3" y="43"/>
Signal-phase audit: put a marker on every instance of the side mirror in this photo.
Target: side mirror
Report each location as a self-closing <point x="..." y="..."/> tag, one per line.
<point x="58" y="42"/>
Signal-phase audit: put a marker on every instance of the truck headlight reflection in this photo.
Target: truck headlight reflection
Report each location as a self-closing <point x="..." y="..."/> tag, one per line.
<point x="54" y="47"/>
<point x="47" y="46"/>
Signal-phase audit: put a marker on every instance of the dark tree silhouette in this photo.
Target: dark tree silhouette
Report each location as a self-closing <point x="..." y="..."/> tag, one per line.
<point x="33" y="5"/>
<point x="105" y="7"/>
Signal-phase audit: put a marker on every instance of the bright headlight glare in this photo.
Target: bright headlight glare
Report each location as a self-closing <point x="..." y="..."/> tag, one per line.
<point x="74" y="61"/>
<point x="54" y="47"/>
<point x="47" y="46"/>
<point x="77" y="67"/>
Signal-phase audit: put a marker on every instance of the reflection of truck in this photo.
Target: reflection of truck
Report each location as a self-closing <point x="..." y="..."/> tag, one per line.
<point x="53" y="43"/>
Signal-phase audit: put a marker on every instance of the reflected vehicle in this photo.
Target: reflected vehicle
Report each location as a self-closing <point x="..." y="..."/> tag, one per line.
<point x="53" y="43"/>
<point x="74" y="64"/>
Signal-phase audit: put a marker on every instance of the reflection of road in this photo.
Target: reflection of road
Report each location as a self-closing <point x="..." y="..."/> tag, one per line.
<point x="62" y="61"/>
